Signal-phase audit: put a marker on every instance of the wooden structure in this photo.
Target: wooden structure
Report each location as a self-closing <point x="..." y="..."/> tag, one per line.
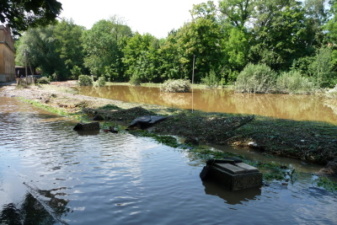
<point x="7" y="55"/>
<point x="233" y="174"/>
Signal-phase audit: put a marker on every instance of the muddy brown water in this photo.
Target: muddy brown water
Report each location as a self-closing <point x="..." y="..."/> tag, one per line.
<point x="50" y="174"/>
<point x="294" y="107"/>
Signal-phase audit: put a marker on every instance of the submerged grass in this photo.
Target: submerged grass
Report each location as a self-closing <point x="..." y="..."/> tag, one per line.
<point x="76" y="116"/>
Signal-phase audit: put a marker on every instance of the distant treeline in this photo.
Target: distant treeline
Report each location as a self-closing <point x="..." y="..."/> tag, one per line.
<point x="286" y="36"/>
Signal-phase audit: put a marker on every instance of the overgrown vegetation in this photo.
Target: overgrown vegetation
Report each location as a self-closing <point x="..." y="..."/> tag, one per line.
<point x="100" y="82"/>
<point x="293" y="82"/>
<point x="256" y="79"/>
<point x="176" y="86"/>
<point x="85" y="80"/>
<point x="43" y="80"/>
<point x="220" y="46"/>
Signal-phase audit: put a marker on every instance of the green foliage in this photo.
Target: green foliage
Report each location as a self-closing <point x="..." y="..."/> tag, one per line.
<point x="293" y="82"/>
<point x="327" y="184"/>
<point x="101" y="82"/>
<point x="141" y="58"/>
<point x="211" y="80"/>
<point x="109" y="107"/>
<point x="20" y="15"/>
<point x="54" y="49"/>
<point x="256" y="79"/>
<point x="135" y="80"/>
<point x="321" y="68"/>
<point x="176" y="86"/>
<point x="220" y="39"/>
<point x="103" y="45"/>
<point x="84" y="80"/>
<point x="43" y="80"/>
<point x="75" y="71"/>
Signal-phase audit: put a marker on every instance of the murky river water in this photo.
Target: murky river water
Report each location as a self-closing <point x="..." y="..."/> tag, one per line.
<point x="294" y="107"/>
<point x="50" y="174"/>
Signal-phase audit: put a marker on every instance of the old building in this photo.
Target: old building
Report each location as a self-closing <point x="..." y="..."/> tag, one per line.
<point x="7" y="55"/>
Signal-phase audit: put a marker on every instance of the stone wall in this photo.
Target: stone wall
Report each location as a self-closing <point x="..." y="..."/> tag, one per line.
<point x="7" y="55"/>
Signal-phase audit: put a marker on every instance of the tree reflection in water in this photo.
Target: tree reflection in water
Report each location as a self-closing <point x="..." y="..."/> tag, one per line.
<point x="34" y="210"/>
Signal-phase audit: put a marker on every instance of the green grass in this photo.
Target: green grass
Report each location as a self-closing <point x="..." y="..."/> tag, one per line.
<point x="76" y="116"/>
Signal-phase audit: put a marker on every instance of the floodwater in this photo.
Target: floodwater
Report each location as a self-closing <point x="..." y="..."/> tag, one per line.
<point x="50" y="174"/>
<point x="293" y="107"/>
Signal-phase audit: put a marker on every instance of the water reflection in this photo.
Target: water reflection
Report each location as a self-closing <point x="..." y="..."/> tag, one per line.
<point x="231" y="197"/>
<point x="294" y="107"/>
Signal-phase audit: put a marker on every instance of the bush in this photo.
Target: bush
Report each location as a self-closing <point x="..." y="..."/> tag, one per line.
<point x="293" y="82"/>
<point x="43" y="80"/>
<point x="211" y="80"/>
<point x="256" y="79"/>
<point x="176" y="86"/>
<point x="84" y="80"/>
<point x="135" y="80"/>
<point x="101" y="82"/>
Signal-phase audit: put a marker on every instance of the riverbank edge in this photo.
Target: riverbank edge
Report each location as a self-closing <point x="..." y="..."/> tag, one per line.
<point x="307" y="141"/>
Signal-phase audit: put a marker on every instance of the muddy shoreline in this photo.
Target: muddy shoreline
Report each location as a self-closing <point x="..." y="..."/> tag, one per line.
<point x="307" y="141"/>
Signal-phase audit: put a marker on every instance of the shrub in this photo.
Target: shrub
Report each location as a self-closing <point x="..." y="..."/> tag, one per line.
<point x="256" y="79"/>
<point x="293" y="82"/>
<point x="179" y="85"/>
<point x="84" y="80"/>
<point x="43" y="80"/>
<point x="135" y="80"/>
<point x="211" y="80"/>
<point x="101" y="82"/>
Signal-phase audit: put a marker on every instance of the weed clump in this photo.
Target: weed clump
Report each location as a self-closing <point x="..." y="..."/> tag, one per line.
<point x="43" y="80"/>
<point x="256" y="79"/>
<point x="84" y="80"/>
<point x="179" y="85"/>
<point x="293" y="82"/>
<point x="100" y="82"/>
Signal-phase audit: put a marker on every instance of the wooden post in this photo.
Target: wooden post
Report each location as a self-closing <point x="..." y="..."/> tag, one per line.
<point x="25" y="52"/>
<point x="193" y="83"/>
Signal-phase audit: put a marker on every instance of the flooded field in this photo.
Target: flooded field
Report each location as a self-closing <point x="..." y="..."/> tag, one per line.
<point x="50" y="174"/>
<point x="294" y="107"/>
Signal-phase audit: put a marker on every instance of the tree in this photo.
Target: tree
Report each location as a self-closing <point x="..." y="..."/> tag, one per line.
<point x="20" y="15"/>
<point x="40" y="46"/>
<point x="237" y="12"/>
<point x="67" y="35"/>
<point x="103" y="45"/>
<point x="54" y="49"/>
<point x="141" y="57"/>
<point x="200" y="40"/>
<point x="279" y="33"/>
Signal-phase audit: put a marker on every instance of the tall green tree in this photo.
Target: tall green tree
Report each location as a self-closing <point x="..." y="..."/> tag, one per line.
<point x="67" y="35"/>
<point x="55" y="49"/>
<point x="279" y="33"/>
<point x="200" y="40"/>
<point x="141" y="57"/>
<point x="103" y="46"/>
<point x="39" y="47"/>
<point x="237" y="12"/>
<point x="169" y="58"/>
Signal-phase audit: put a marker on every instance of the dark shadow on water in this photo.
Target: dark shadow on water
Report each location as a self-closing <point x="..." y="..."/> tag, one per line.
<point x="230" y="197"/>
<point x="87" y="132"/>
<point x="34" y="211"/>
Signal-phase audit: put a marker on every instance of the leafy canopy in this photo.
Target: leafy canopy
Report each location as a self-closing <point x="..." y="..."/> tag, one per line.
<point x="19" y="14"/>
